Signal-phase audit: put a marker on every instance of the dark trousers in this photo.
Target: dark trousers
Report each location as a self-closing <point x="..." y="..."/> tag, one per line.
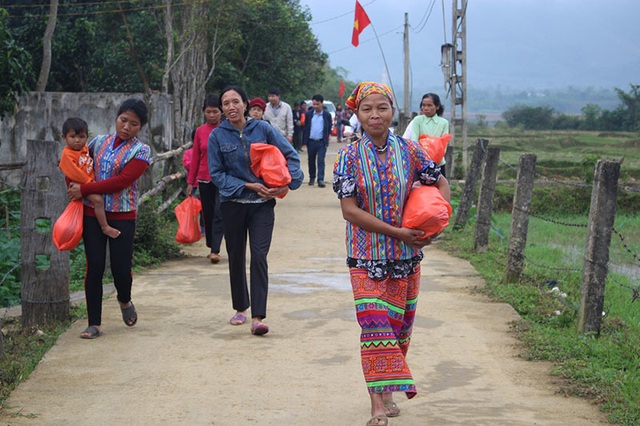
<point x="317" y="150"/>
<point x="121" y="255"/>
<point x="297" y="138"/>
<point x="339" y="129"/>
<point x="255" y="220"/>
<point x="213" y="227"/>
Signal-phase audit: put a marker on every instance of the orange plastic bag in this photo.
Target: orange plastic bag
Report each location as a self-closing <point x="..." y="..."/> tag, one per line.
<point x="188" y="215"/>
<point x="426" y="210"/>
<point x="67" y="231"/>
<point x="435" y="146"/>
<point x="268" y="163"/>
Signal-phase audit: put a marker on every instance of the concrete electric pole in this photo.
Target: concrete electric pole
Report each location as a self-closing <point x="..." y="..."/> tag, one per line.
<point x="407" y="89"/>
<point x="454" y="67"/>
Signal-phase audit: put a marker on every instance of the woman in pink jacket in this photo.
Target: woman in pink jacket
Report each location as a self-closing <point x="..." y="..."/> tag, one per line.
<point x="199" y="176"/>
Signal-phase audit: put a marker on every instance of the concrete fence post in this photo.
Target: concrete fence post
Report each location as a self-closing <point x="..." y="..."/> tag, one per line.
<point x="485" y="200"/>
<point x="520" y="217"/>
<point x="468" y="194"/>
<point x="45" y="270"/>
<point x="596" y="255"/>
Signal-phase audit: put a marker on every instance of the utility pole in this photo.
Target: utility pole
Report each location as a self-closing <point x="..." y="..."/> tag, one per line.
<point x="454" y="67"/>
<point x="407" y="89"/>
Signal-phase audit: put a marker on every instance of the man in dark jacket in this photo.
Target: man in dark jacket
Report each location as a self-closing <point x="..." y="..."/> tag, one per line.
<point x="317" y="129"/>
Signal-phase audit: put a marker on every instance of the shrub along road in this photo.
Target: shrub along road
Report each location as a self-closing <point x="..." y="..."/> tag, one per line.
<point x="184" y="364"/>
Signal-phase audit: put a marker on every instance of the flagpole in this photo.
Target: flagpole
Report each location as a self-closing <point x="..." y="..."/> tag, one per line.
<point x="384" y="59"/>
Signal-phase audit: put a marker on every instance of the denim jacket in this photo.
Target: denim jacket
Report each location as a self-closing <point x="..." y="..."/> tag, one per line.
<point x="229" y="162"/>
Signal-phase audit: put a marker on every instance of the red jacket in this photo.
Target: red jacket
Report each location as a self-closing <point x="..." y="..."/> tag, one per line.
<point x="199" y="169"/>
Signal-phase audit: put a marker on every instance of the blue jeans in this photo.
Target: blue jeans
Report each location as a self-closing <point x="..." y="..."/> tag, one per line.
<point x="317" y="149"/>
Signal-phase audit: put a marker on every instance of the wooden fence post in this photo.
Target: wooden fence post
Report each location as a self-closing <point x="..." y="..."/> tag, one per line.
<point x="468" y="195"/>
<point x="485" y="200"/>
<point x="596" y="255"/>
<point x="45" y="270"/>
<point x="450" y="164"/>
<point x="520" y="217"/>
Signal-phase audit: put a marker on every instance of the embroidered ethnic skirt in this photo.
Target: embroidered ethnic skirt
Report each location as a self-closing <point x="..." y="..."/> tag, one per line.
<point x="385" y="310"/>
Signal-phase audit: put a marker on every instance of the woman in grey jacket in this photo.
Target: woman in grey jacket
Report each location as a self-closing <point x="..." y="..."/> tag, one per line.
<point x="247" y="204"/>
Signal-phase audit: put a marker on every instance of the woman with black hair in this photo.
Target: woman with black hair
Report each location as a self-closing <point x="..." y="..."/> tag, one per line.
<point x="198" y="177"/>
<point x="247" y="204"/>
<point x="120" y="159"/>
<point x="430" y="122"/>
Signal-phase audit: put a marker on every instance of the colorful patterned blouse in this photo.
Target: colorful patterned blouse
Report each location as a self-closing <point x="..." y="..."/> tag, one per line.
<point x="109" y="162"/>
<point x="381" y="188"/>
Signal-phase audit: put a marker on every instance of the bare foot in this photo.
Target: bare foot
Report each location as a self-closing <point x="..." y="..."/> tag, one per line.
<point x="110" y="232"/>
<point x="391" y="409"/>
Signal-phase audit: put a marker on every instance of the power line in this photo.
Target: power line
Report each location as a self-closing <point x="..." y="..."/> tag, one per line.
<point x="350" y="12"/>
<point x="425" y="17"/>
<point x="104" y="12"/>
<point x="367" y="40"/>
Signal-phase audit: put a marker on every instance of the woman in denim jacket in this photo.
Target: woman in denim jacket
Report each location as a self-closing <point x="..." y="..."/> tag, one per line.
<point x="247" y="204"/>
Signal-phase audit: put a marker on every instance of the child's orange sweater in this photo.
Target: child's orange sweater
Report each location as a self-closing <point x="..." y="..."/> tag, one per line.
<point x="77" y="166"/>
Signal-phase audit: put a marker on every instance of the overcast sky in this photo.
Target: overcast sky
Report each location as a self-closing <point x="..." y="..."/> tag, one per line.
<point x="519" y="44"/>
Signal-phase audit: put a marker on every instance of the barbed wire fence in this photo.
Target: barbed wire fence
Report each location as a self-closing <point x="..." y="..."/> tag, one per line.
<point x="597" y="268"/>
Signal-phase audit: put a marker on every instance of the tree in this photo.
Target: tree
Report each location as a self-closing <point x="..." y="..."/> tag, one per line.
<point x="531" y="118"/>
<point x="277" y="48"/>
<point x="197" y="32"/>
<point x="591" y="115"/>
<point x="15" y="67"/>
<point x="41" y="84"/>
<point x="630" y="107"/>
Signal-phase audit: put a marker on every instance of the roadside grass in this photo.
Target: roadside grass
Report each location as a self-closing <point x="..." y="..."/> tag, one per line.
<point x="564" y="154"/>
<point x="24" y="348"/>
<point x="605" y="369"/>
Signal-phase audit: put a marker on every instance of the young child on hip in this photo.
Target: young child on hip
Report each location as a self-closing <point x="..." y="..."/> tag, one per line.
<point x="77" y="166"/>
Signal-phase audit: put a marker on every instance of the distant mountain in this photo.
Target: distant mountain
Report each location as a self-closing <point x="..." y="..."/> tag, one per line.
<point x="495" y="100"/>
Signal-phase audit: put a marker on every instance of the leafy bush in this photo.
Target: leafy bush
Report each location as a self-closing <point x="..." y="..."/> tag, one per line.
<point x="10" y="248"/>
<point x="155" y="236"/>
<point x="154" y="243"/>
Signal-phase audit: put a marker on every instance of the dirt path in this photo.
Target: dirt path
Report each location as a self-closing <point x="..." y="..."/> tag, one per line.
<point x="184" y="365"/>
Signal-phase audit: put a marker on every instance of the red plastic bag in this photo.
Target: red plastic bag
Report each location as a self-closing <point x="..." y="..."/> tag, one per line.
<point x="426" y="210"/>
<point x="435" y="146"/>
<point x="188" y="214"/>
<point x="268" y="163"/>
<point x="67" y="231"/>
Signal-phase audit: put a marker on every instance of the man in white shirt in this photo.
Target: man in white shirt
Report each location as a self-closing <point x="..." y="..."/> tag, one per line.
<point x="279" y="114"/>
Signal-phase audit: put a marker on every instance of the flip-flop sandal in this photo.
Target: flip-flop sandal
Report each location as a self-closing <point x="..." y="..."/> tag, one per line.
<point x="259" y="328"/>
<point x="90" y="332"/>
<point x="238" y="319"/>
<point x="392" y="409"/>
<point x="129" y="315"/>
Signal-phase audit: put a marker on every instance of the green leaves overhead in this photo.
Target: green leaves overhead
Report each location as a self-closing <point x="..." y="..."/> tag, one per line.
<point x="121" y="46"/>
<point x="15" y="67"/>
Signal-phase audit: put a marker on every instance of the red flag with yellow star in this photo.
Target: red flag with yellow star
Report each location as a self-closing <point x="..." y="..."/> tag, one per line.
<point x="360" y="22"/>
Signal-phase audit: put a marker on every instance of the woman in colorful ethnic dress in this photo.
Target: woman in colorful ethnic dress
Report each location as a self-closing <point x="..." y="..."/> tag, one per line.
<point x="119" y="160"/>
<point x="373" y="178"/>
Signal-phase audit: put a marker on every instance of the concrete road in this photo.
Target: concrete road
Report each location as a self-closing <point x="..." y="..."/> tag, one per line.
<point x="183" y="364"/>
